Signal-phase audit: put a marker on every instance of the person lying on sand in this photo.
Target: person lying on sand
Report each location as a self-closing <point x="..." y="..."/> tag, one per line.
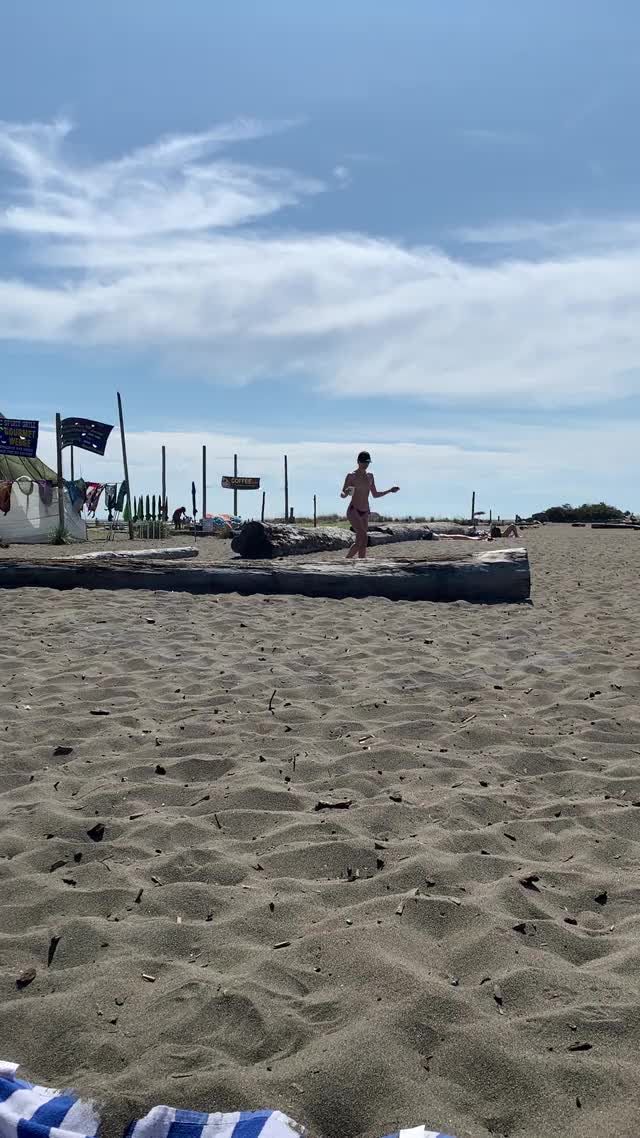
<point x="510" y="531"/>
<point x="358" y="485"/>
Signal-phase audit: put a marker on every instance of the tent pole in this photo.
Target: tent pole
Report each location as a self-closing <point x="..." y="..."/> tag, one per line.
<point x="125" y="465"/>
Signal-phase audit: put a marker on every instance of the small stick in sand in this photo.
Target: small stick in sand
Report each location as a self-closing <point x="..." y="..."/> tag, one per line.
<point x="271" y="701"/>
<point x="53" y="944"/>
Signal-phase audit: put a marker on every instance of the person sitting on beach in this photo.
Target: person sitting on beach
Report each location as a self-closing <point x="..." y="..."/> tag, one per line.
<point x="358" y="485"/>
<point x="178" y="516"/>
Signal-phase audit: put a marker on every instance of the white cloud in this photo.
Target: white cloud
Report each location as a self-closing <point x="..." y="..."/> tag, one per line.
<point x="512" y="468"/>
<point x="159" y="251"/>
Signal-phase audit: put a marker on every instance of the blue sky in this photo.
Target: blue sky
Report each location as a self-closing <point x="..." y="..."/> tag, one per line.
<point x="314" y="227"/>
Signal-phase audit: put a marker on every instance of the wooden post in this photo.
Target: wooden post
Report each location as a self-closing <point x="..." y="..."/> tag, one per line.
<point x="60" y="478"/>
<point x="235" y="492"/>
<point x="73" y="475"/>
<point x="286" y="489"/>
<point x="204" y="484"/>
<point x="473" y="507"/>
<point x="125" y="464"/>
<point x="164" y="484"/>
<point x="490" y="516"/>
<point x="315" y="512"/>
<point x="264" y="498"/>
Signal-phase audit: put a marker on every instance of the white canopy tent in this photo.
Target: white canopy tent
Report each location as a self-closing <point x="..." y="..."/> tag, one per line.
<point x="32" y="517"/>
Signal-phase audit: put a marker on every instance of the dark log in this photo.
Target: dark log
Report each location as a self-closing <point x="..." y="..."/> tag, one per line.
<point x="266" y="540"/>
<point x="258" y="540"/>
<point x="500" y="575"/>
<point x="615" y="525"/>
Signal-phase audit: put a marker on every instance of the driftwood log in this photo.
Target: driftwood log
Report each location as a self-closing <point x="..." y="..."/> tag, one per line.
<point x="168" y="553"/>
<point x="615" y="525"/>
<point x="258" y="540"/>
<point x="500" y="575"/>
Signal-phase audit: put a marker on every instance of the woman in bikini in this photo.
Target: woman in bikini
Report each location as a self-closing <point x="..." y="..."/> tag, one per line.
<point x="358" y="486"/>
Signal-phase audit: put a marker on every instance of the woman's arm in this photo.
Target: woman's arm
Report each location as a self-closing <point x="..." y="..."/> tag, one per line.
<point x="347" y="484"/>
<point x="381" y="493"/>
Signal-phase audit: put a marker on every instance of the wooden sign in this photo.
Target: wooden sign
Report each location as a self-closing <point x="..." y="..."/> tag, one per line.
<point x="232" y="482"/>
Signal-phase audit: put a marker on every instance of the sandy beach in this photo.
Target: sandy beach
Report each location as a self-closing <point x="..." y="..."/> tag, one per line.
<point x="371" y="863"/>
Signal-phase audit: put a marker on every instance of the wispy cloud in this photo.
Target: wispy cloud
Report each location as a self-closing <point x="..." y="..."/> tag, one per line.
<point x="160" y="250"/>
<point x="486" y="136"/>
<point x="180" y="184"/>
<point x="572" y="235"/>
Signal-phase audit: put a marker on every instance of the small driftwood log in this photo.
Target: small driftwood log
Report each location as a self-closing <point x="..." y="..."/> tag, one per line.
<point x="266" y="540"/>
<point x="169" y="553"/>
<point x="500" y="575"/>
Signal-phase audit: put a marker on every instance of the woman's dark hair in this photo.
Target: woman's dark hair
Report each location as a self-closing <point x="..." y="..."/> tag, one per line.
<point x="364" y="456"/>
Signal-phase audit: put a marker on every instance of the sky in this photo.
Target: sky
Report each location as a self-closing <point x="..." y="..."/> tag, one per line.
<point x="312" y="228"/>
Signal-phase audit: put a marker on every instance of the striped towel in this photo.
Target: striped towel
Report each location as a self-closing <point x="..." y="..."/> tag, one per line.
<point x="28" y="1111"/>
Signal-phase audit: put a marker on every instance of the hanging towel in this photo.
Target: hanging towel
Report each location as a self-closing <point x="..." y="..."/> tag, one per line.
<point x="122" y="497"/>
<point x="110" y="495"/>
<point x="5" y="497"/>
<point x="38" y="1112"/>
<point x="77" y="492"/>
<point x="94" y="491"/>
<point x="46" y="492"/>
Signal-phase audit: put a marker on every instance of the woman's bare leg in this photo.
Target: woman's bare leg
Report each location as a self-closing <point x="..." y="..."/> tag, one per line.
<point x="359" y="525"/>
<point x="364" y="536"/>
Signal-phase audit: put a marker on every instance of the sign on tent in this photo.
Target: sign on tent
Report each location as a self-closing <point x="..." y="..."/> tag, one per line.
<point x="19" y="437"/>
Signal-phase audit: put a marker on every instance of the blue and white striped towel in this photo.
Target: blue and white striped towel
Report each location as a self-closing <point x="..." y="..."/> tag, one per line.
<point x="28" y="1111"/>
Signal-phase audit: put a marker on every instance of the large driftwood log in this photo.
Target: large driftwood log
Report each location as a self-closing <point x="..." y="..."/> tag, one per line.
<point x="500" y="575"/>
<point x="258" y="540"/>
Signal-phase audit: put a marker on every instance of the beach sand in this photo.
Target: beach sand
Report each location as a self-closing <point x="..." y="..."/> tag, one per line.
<point x="458" y="946"/>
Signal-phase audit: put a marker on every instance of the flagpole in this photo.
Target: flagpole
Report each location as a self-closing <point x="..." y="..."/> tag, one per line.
<point x="125" y="464"/>
<point x="60" y="478"/>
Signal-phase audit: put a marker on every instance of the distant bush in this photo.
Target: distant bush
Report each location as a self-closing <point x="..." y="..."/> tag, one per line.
<point x="588" y="512"/>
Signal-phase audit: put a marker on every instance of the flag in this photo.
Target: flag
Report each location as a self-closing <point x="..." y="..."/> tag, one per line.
<point x="87" y="434"/>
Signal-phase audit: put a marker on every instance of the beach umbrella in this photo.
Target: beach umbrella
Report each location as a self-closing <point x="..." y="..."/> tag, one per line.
<point x="193" y="499"/>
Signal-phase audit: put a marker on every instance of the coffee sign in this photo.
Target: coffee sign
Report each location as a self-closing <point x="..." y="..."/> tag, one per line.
<point x="232" y="482"/>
